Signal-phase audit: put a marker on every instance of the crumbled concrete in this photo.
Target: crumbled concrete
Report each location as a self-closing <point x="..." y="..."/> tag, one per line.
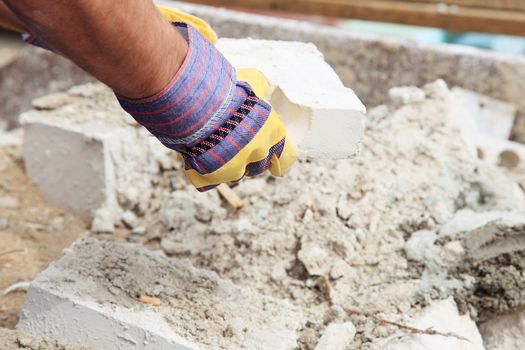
<point x="337" y="336"/>
<point x="84" y="153"/>
<point x="90" y="296"/>
<point x="492" y="117"/>
<point x="323" y="118"/>
<point x="333" y="232"/>
<point x="441" y="316"/>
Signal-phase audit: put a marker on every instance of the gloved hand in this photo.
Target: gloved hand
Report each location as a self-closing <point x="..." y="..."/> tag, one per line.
<point x="214" y="119"/>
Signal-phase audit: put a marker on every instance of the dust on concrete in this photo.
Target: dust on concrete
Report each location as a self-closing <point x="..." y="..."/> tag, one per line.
<point x="14" y="340"/>
<point x="332" y="233"/>
<point x="197" y="304"/>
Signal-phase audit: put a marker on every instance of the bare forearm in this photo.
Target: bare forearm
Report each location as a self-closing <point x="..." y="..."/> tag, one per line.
<point x="8" y="19"/>
<point x="126" y="44"/>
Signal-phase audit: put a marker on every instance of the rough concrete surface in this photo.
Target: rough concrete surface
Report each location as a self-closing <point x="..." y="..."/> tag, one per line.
<point x="15" y="340"/>
<point x="90" y="296"/>
<point x="84" y="153"/>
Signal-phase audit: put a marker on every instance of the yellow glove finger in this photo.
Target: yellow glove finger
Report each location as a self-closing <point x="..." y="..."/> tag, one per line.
<point x="261" y="87"/>
<point x="175" y="15"/>
<point x="272" y="132"/>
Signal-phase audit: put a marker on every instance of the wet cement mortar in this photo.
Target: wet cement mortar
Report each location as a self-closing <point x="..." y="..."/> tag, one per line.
<point x="331" y="234"/>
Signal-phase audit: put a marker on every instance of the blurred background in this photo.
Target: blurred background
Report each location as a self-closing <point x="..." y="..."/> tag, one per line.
<point x="486" y="24"/>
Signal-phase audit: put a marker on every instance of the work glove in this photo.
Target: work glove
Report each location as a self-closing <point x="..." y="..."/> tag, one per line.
<point x="212" y="114"/>
<point x="215" y="119"/>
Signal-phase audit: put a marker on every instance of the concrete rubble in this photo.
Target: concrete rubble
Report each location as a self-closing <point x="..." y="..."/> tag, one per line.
<point x="410" y="223"/>
<point x="90" y="296"/>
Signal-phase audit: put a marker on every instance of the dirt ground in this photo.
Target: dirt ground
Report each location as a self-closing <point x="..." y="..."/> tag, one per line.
<point x="36" y="233"/>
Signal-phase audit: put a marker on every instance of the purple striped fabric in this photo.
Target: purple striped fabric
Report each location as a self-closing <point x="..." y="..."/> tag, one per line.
<point x="204" y="112"/>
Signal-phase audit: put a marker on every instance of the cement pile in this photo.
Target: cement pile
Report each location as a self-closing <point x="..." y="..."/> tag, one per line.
<point x="415" y="230"/>
<point x="332" y="235"/>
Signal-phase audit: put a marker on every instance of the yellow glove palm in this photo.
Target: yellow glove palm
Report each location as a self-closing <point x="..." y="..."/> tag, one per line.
<point x="270" y="134"/>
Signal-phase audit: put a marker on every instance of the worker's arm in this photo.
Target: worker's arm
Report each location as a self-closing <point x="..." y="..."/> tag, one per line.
<point x="172" y="80"/>
<point x="8" y="19"/>
<point x="126" y="44"/>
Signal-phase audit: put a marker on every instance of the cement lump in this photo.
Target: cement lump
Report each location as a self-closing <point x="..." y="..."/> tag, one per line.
<point x="99" y="283"/>
<point x="414" y="174"/>
<point x="323" y="117"/>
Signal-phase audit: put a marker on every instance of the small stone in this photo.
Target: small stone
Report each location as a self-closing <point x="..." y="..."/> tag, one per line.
<point x="337" y="336"/>
<point x="406" y="94"/>
<point x="25" y="342"/>
<point x="278" y="273"/>
<point x="334" y="314"/>
<point x="203" y="213"/>
<point x="52" y="101"/>
<point x="139" y="231"/>
<point x="4" y="224"/>
<point x="344" y="211"/>
<point x="314" y="259"/>
<point x="242" y="225"/>
<point x="57" y="224"/>
<point x="129" y="219"/>
<point x="453" y="251"/>
<point x="9" y="202"/>
<point x="103" y="221"/>
<point x="308" y="216"/>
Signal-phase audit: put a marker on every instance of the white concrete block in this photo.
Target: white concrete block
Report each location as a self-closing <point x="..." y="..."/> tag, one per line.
<point x="90" y="296"/>
<point x="492" y="117"/>
<point x="323" y="117"/>
<point x="84" y="153"/>
<point x="441" y="316"/>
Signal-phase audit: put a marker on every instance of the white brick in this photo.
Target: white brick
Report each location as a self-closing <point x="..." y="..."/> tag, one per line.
<point x="84" y="153"/>
<point x="90" y="295"/>
<point x="441" y="316"/>
<point x="323" y="117"/>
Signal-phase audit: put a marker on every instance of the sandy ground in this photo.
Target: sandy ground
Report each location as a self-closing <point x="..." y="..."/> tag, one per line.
<point x="12" y="340"/>
<point x="36" y="233"/>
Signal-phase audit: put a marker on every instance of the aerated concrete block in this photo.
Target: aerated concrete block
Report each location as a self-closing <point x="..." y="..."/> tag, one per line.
<point x="84" y="153"/>
<point x="323" y="118"/>
<point x="90" y="296"/>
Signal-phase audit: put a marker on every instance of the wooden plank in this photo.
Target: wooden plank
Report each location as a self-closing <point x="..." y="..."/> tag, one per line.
<point x="486" y="4"/>
<point x="454" y="18"/>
